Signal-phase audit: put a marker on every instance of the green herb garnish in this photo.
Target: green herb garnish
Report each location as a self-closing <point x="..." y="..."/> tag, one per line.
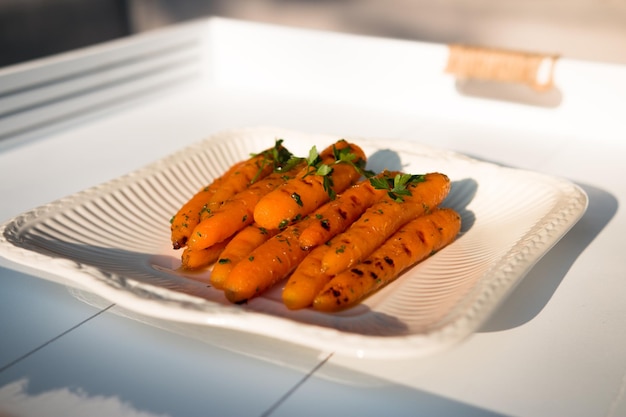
<point x="341" y="156"/>
<point x="397" y="187"/>
<point x="280" y="158"/>
<point x="296" y="197"/>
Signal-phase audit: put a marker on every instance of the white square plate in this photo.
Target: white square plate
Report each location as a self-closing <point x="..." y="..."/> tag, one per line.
<point x="113" y="240"/>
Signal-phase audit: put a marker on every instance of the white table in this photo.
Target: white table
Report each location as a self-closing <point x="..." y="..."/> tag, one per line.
<point x="554" y="348"/>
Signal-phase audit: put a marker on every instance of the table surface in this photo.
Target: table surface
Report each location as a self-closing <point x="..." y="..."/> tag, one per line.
<point x="554" y="347"/>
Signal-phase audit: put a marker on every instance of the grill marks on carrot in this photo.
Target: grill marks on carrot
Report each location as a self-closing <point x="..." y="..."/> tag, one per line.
<point x="312" y="221"/>
<point x="308" y="190"/>
<point x="381" y="220"/>
<point x="415" y="241"/>
<point x="340" y="213"/>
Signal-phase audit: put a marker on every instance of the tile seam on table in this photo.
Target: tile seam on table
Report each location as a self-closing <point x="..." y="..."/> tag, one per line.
<point x="55" y="338"/>
<point x="293" y="389"/>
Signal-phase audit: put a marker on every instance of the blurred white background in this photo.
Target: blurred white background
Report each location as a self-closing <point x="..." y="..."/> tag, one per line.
<point x="582" y="29"/>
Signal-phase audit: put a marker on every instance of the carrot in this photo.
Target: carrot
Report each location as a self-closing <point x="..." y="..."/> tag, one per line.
<point x="306" y="281"/>
<point x="237" y="249"/>
<point x="237" y="212"/>
<point x="235" y="179"/>
<point x="188" y="216"/>
<point x="265" y="265"/>
<point x="337" y="167"/>
<point x="381" y="220"/>
<point x="254" y="169"/>
<point x="414" y="242"/>
<point x="193" y="259"/>
<point x="338" y="214"/>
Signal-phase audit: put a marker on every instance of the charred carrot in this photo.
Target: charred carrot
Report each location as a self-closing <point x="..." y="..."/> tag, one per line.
<point x="414" y="242"/>
<point x="239" y="247"/>
<point x="306" y="281"/>
<point x="235" y="179"/>
<point x="382" y="219"/>
<point x="254" y="169"/>
<point x="188" y="216"/>
<point x="265" y="265"/>
<point x="237" y="212"/>
<point x="193" y="259"/>
<point x="337" y="215"/>
<point x="326" y="175"/>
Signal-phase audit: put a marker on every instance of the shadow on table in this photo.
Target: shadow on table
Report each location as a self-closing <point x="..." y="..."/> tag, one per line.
<point x="535" y="290"/>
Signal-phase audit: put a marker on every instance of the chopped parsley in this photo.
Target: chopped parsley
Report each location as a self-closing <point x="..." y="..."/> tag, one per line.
<point x="281" y="158"/>
<point x="397" y="187"/>
<point x="341" y="156"/>
<point x="296" y="197"/>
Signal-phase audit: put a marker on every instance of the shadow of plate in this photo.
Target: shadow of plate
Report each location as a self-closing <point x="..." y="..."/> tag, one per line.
<point x="536" y="289"/>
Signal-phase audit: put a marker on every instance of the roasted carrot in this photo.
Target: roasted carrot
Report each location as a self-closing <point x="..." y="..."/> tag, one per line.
<point x="235" y="179"/>
<point x="254" y="169"/>
<point x="188" y="216"/>
<point x="339" y="213"/>
<point x="414" y="242"/>
<point x="193" y="259"/>
<point x="337" y="167"/>
<point x="239" y="247"/>
<point x="335" y="216"/>
<point x="381" y="220"/>
<point x="306" y="281"/>
<point x="265" y="265"/>
<point x="237" y="212"/>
